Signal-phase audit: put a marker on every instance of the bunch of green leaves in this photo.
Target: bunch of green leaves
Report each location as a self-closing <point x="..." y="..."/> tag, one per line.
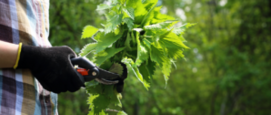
<point x="138" y="35"/>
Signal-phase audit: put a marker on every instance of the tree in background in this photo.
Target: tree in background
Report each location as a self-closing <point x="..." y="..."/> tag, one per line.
<point x="231" y="45"/>
<point x="226" y="71"/>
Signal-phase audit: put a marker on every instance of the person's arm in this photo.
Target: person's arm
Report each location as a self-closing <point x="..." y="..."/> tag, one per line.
<point x="52" y="66"/>
<point x="8" y="54"/>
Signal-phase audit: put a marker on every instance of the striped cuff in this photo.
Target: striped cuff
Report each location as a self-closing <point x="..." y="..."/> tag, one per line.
<point x="18" y="56"/>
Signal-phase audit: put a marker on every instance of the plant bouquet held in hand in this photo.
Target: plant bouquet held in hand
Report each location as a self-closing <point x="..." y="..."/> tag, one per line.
<point x="138" y="35"/>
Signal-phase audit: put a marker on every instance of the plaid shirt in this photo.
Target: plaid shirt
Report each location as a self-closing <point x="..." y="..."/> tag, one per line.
<point x="24" y="21"/>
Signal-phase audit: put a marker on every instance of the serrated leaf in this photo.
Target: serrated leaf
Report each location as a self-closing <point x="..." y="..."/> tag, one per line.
<point x="106" y="64"/>
<point x="147" y="17"/>
<point x="166" y="69"/>
<point x="139" y="12"/>
<point x="90" y="100"/>
<point x="178" y="31"/>
<point x="106" y="54"/>
<point x="95" y="91"/>
<point x="145" y="73"/>
<point x="87" y="49"/>
<point x="104" y="6"/>
<point x="142" y="53"/>
<point x="100" y="104"/>
<point x="148" y="4"/>
<point x="130" y="12"/>
<point x="129" y="22"/>
<point x="114" y="19"/>
<point x="92" y="83"/>
<point x="147" y="43"/>
<point x="95" y="110"/>
<point x="127" y="42"/>
<point x="132" y="67"/>
<point x="175" y="53"/>
<point x="172" y="40"/>
<point x="102" y="96"/>
<point x="105" y="40"/>
<point x="88" y="32"/>
<point x="151" y="67"/>
<point x="157" y="54"/>
<point x="173" y="44"/>
<point x="116" y="68"/>
<point x="158" y="17"/>
<point x="160" y="26"/>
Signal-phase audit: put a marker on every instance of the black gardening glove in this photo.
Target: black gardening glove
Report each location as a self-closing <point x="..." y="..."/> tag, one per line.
<point x="52" y="67"/>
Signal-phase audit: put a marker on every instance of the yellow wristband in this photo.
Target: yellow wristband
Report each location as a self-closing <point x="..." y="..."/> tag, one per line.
<point x="18" y="56"/>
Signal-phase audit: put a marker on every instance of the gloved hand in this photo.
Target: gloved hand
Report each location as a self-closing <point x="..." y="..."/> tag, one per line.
<point x="52" y="67"/>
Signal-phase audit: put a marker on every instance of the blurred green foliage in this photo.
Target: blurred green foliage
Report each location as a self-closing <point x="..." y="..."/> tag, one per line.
<point x="226" y="71"/>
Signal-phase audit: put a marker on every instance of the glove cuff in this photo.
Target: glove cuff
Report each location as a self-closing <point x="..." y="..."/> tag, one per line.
<point x="29" y="57"/>
<point x="18" y="56"/>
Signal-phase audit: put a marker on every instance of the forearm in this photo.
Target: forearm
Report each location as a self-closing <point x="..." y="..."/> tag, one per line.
<point x="8" y="54"/>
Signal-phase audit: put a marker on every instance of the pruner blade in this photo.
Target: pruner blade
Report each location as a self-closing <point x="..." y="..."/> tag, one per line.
<point x="90" y="71"/>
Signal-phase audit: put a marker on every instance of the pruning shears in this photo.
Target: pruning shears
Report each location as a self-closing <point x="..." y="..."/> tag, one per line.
<point x="90" y="71"/>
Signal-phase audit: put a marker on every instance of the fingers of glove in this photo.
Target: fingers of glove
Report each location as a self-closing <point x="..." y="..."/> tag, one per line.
<point x="60" y="85"/>
<point x="71" y="78"/>
<point x="58" y="89"/>
<point x="74" y="80"/>
<point x="74" y="83"/>
<point x="72" y="87"/>
<point x="66" y="50"/>
<point x="67" y="80"/>
<point x="55" y="87"/>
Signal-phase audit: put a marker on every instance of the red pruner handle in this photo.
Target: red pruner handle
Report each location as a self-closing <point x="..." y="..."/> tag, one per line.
<point x="82" y="71"/>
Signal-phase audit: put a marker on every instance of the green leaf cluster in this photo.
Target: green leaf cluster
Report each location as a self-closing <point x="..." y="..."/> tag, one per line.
<point x="137" y="34"/>
<point x="102" y="97"/>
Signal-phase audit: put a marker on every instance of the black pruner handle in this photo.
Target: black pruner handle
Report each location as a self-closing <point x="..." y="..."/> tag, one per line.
<point x="87" y="69"/>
